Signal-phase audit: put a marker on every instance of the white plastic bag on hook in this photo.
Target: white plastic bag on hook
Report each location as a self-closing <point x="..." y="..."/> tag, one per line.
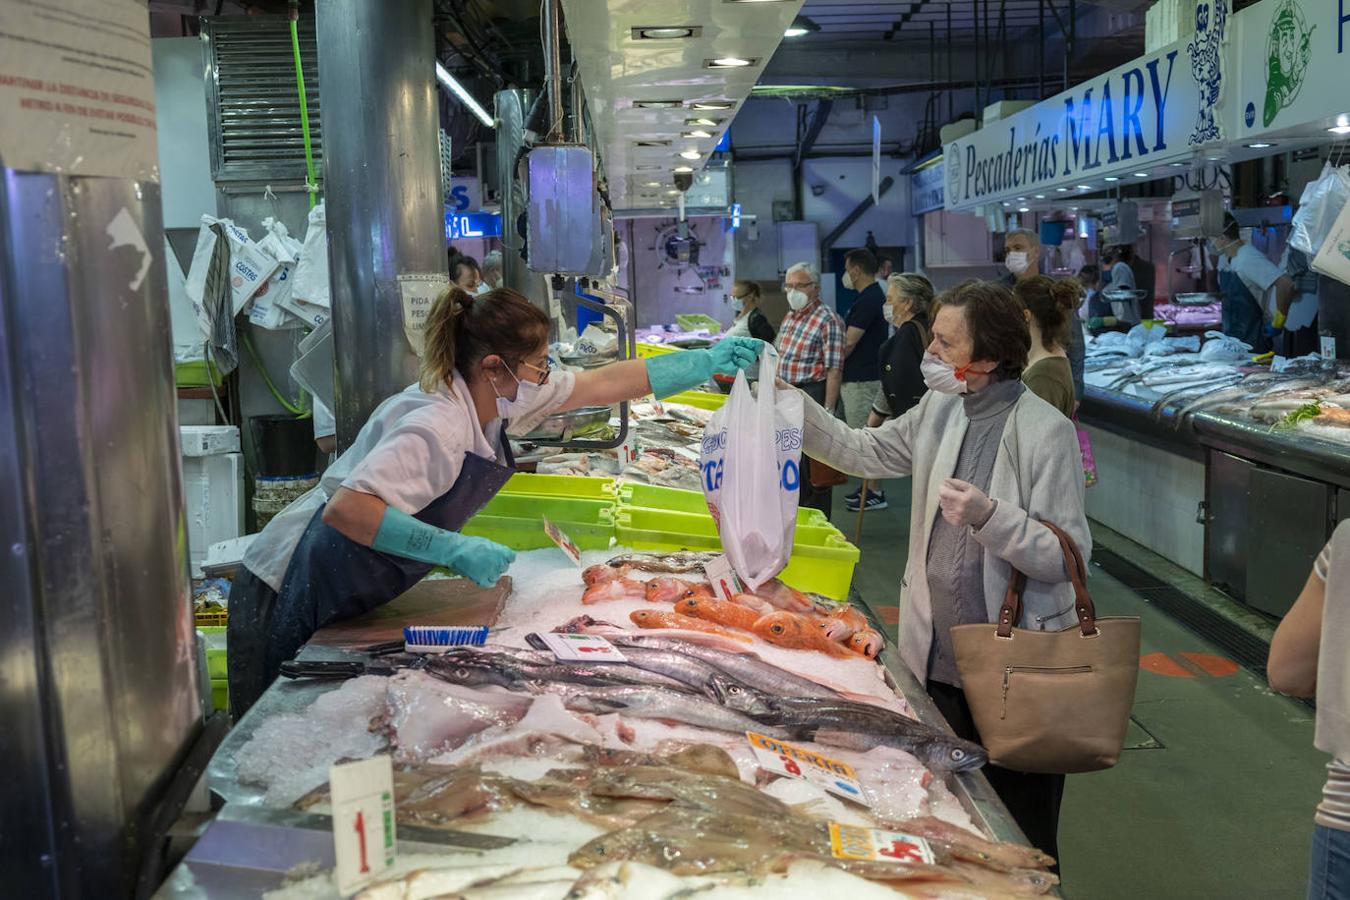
<point x="751" y="469"/>
<point x="1322" y="201"/>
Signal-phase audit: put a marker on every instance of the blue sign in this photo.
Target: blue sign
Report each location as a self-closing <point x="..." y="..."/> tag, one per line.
<point x="472" y="225"/>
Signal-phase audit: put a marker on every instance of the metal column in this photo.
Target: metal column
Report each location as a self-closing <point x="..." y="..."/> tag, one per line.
<point x="98" y="687"/>
<point x="382" y="182"/>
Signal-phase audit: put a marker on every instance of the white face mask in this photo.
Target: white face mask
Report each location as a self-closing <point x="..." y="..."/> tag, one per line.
<point x="848" y="282"/>
<point x="797" y="299"/>
<point x="527" y="397"/>
<point x="941" y="376"/>
<point x="737" y="303"/>
<point x="483" y="288"/>
<point x="1016" y="261"/>
<point x="888" y="313"/>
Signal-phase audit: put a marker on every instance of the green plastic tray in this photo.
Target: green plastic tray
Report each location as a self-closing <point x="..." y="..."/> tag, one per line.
<point x="702" y="399"/>
<point x="220" y="694"/>
<point x="516" y="521"/>
<point x="698" y="322"/>
<point x="678" y="500"/>
<point x="215" y="650"/>
<point x="580" y="487"/>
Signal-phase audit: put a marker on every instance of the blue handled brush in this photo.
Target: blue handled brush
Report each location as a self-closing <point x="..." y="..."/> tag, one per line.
<point x="440" y="638"/>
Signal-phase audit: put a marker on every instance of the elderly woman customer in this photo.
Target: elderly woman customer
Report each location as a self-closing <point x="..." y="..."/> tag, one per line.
<point x="990" y="461"/>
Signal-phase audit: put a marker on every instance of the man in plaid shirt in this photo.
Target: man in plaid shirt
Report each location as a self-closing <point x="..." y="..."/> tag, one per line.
<point x="811" y="357"/>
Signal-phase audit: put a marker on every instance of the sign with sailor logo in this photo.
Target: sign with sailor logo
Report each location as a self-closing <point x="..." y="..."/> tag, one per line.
<point x="1290" y="58"/>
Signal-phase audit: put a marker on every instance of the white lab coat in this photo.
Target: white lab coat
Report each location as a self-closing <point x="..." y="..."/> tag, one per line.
<point x="408" y="453"/>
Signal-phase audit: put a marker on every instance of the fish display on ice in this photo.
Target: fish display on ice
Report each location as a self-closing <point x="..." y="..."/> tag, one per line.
<point x="795" y="631"/>
<point x="672" y="590"/>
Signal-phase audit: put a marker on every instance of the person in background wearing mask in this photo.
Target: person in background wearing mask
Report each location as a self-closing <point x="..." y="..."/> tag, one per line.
<point x="1308" y="659"/>
<point x="811" y="358"/>
<point x="1049" y="306"/>
<point x="885" y="269"/>
<point x="1022" y="260"/>
<point x="750" y="321"/>
<point x="492" y="270"/>
<point x="428" y="459"/>
<point x="464" y="274"/>
<point x="990" y="461"/>
<point x="1300" y="326"/>
<point x="1252" y="287"/>
<point x="865" y="332"/>
<point x="1099" y="314"/>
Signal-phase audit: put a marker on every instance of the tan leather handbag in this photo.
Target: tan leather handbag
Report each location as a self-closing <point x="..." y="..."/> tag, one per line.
<point x="1051" y="701"/>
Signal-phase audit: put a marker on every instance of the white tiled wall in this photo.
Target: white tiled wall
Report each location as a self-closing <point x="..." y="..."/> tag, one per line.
<point x="1150" y="496"/>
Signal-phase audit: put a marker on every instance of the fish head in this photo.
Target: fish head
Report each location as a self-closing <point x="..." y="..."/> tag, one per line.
<point x="778" y="626"/>
<point x="467" y="672"/>
<point x="949" y="753"/>
<point x="739" y="697"/>
<point x="643" y="618"/>
<point x="690" y="606"/>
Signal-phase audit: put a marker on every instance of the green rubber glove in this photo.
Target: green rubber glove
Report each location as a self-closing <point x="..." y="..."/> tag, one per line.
<point x="671" y="373"/>
<point x="475" y="558"/>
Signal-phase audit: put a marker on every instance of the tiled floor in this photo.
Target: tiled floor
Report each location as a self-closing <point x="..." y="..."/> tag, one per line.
<point x="1214" y="795"/>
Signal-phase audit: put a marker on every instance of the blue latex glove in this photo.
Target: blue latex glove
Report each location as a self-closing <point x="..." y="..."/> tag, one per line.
<point x="671" y="373"/>
<point x="475" y="558"/>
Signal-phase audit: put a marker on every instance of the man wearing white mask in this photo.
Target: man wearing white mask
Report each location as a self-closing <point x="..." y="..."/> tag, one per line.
<point x="811" y="357"/>
<point x="1022" y="259"/>
<point x="991" y="461"/>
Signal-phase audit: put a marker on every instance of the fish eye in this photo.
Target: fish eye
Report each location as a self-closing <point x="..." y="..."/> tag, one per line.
<point x="461" y="672"/>
<point x="958" y="754"/>
<point x="776" y="629"/>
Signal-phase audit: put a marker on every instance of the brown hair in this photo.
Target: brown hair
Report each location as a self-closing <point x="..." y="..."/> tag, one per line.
<point x="462" y="329"/>
<point x="747" y="287"/>
<point x="1051" y="303"/>
<point x="863" y="259"/>
<point x="998" y="330"/>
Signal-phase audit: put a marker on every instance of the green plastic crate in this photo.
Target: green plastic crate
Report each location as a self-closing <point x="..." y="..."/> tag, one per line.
<point x="822" y="558"/>
<point x="698" y="322"/>
<point x="702" y="399"/>
<point x="196" y="373"/>
<point x="678" y="500"/>
<point x="516" y="521"/>
<point x="220" y="694"/>
<point x="580" y="487"/>
<point x="215" y="650"/>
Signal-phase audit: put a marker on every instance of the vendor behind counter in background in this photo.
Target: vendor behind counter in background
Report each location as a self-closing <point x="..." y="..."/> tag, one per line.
<point x="750" y="319"/>
<point x="1254" y="289"/>
<point x="428" y="459"/>
<point x="464" y="273"/>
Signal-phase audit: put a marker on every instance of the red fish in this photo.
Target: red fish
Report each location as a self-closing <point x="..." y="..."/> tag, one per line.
<point x="658" y="618"/>
<point x="671" y="590"/>
<point x="796" y="632"/>
<point x="784" y="597"/>
<point x="710" y="609"/>
<point x="758" y="604"/>
<point x="843" y="623"/>
<point x="614" y="589"/>
<point x="602" y="573"/>
<point x="867" y="642"/>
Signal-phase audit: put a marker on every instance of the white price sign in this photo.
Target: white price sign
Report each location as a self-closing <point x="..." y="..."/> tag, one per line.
<point x="1328" y="347"/>
<point x="565" y="544"/>
<point x="629" y="452"/>
<point x="363" y="820"/>
<point x="723" y="579"/>
<point x="782" y="758"/>
<point x="582" y="648"/>
<point x="878" y="845"/>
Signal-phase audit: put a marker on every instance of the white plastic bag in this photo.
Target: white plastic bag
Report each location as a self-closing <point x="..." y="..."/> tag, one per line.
<point x="1333" y="259"/>
<point x="311" y="271"/>
<point x="1322" y="201"/>
<point x="751" y="472"/>
<point x="268" y="309"/>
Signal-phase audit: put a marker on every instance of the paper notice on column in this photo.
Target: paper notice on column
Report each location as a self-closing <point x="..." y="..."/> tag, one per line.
<point x="418" y="292"/>
<point x="77" y="88"/>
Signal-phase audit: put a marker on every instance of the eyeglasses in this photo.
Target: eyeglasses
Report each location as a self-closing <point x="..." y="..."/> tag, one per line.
<point x="798" y="285"/>
<point x="543" y="371"/>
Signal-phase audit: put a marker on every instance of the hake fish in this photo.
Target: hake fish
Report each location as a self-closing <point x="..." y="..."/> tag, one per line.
<point x="746" y="668"/>
<point x="644" y="702"/>
<point x="684" y="561"/>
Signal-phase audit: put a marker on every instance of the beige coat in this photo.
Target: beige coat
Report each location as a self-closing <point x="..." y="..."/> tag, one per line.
<point x="1038" y="475"/>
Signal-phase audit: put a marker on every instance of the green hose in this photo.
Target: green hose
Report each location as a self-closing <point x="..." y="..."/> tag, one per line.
<point x="294" y="407"/>
<point x="310" y="181"/>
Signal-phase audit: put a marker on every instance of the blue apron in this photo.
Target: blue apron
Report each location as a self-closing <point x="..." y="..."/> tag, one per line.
<point x="331" y="577"/>
<point x="1242" y="316"/>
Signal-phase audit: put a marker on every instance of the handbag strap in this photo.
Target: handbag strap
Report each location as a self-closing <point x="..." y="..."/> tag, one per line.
<point x="1010" y="613"/>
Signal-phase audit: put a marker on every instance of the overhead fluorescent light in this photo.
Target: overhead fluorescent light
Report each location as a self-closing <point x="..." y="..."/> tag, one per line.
<point x="707" y="123"/>
<point x="651" y="184"/>
<point x="690" y="154"/>
<point x="683" y="170"/>
<point x="1040" y="196"/>
<point x="1006" y="203"/>
<point x="1339" y="129"/>
<point x="713" y="104"/>
<point x="1110" y="178"/>
<point x="1062" y="190"/>
<point x="444" y="77"/>
<point x="1085" y="187"/>
<point x="666" y="32"/>
<point x="697" y="134"/>
<point x="673" y="191"/>
<point x="1176" y="165"/>
<point x="658" y="104"/>
<point x="1024" y="209"/>
<point x="1260" y="145"/>
<point x="729" y="62"/>
<point x="1140" y="174"/>
<point x="651" y="143"/>
<point x="800" y="26"/>
<point x="647" y="168"/>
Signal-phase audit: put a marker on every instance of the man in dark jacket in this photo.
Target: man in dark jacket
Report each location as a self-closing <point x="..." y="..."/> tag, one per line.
<point x="866" y="332"/>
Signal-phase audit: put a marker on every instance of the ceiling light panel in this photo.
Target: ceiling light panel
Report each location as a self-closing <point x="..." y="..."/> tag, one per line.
<point x="666" y="32"/>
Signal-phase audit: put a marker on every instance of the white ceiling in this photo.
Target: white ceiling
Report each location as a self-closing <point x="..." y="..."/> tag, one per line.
<point x="618" y="69"/>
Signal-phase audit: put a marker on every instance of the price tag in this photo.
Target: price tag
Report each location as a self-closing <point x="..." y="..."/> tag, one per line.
<point x="559" y="537"/>
<point x="363" y="820"/>
<point x="783" y="758"/>
<point x="1328" y="347"/>
<point x="722" y="577"/>
<point x="582" y="648"/>
<point x="877" y="845"/>
<point x="629" y="452"/>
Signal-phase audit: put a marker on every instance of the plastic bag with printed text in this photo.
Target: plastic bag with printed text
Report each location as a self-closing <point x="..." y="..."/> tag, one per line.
<point x="751" y="472"/>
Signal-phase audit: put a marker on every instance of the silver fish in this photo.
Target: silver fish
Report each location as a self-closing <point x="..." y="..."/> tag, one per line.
<point x="655" y="703"/>
<point x="682" y="561"/>
<point x="745" y="668"/>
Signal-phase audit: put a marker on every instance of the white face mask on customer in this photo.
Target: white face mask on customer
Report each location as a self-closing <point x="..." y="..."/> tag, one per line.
<point x="848" y="282"/>
<point x="1016" y="262"/>
<point x="942" y="376"/>
<point x="888" y="313"/>
<point x="797" y="299"/>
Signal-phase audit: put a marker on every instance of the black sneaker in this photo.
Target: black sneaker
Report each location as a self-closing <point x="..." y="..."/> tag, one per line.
<point x="854" y="497"/>
<point x="875" y="500"/>
<point x="851" y="502"/>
